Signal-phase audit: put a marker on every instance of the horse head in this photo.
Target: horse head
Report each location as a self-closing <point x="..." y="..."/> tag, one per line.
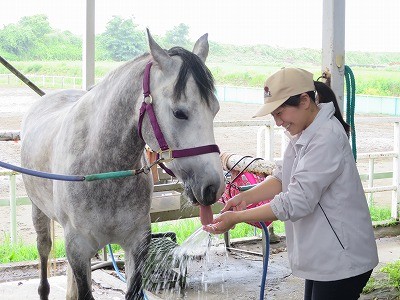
<point x="184" y="105"/>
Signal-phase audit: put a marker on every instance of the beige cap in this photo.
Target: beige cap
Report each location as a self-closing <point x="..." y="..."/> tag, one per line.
<point x="282" y="85"/>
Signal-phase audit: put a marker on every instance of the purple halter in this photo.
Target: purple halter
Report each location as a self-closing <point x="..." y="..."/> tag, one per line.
<point x="165" y="153"/>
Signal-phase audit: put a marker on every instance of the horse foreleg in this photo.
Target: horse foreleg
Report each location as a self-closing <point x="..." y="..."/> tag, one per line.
<point x="72" y="289"/>
<point x="42" y="226"/>
<point x="135" y="256"/>
<point x="79" y="253"/>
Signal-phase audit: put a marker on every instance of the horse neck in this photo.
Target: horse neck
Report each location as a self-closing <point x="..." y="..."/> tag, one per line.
<point x="117" y="108"/>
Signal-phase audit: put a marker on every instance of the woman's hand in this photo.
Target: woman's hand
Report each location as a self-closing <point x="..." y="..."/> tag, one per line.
<point x="222" y="223"/>
<point x="236" y="203"/>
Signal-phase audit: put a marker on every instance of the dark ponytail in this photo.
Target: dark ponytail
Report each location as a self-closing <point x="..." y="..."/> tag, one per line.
<point x="325" y="95"/>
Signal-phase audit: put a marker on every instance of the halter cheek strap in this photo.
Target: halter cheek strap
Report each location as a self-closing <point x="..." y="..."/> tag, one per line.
<point x="165" y="154"/>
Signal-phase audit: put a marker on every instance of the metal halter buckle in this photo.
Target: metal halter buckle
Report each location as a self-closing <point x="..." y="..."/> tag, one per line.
<point x="148" y="99"/>
<point x="165" y="155"/>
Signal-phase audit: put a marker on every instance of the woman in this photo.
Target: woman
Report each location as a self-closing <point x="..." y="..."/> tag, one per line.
<point x="316" y="191"/>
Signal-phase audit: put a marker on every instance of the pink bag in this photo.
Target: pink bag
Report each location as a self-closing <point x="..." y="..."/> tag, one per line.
<point x="242" y="179"/>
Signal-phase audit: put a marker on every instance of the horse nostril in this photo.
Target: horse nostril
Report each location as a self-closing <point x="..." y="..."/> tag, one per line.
<point x="209" y="195"/>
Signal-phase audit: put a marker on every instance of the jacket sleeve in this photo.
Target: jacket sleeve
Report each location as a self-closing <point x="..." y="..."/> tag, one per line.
<point x="277" y="172"/>
<point x="319" y="163"/>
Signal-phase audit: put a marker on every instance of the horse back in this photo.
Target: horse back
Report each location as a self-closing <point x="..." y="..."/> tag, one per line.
<point x="40" y="127"/>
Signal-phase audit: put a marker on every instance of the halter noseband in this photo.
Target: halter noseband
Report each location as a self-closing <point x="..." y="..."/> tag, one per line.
<point x="165" y="154"/>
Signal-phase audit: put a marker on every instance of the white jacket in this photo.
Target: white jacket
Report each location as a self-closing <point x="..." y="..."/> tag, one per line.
<point x="318" y="176"/>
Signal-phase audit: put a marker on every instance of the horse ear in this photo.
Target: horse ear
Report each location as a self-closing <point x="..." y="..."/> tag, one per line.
<point x="159" y="55"/>
<point x="201" y="47"/>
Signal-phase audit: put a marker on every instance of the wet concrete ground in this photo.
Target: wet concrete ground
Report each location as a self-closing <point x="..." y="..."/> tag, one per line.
<point x="236" y="276"/>
<point x="233" y="276"/>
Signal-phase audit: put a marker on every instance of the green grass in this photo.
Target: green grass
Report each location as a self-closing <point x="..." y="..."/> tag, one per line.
<point x="183" y="229"/>
<point x="393" y="272"/>
<point x="380" y="213"/>
<point x="25" y="252"/>
<point x="384" y="81"/>
<point x="63" y="68"/>
<point x="390" y="280"/>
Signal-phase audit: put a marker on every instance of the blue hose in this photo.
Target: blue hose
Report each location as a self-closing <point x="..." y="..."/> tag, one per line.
<point x="42" y="174"/>
<point x="266" y="259"/>
<point x="265" y="263"/>
<point x="121" y="277"/>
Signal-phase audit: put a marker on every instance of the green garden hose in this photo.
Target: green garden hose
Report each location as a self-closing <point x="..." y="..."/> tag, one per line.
<point x="350" y="107"/>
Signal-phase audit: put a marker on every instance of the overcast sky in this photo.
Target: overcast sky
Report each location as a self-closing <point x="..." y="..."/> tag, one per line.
<point x="371" y="25"/>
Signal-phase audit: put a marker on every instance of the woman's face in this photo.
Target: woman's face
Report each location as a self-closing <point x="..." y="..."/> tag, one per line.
<point x="296" y="118"/>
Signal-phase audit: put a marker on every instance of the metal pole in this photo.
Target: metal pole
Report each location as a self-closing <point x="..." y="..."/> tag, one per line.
<point x="21" y="76"/>
<point x="333" y="41"/>
<point x="88" y="46"/>
<point x="13" y="210"/>
<point x="396" y="173"/>
<point x="371" y="172"/>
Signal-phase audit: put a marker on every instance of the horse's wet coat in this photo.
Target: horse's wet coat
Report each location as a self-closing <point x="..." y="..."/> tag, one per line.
<point x="79" y="132"/>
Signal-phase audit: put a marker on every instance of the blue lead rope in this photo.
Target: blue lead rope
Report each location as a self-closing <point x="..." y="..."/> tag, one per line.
<point x="116" y="175"/>
<point x="76" y="178"/>
<point x="90" y="177"/>
<point x="42" y="174"/>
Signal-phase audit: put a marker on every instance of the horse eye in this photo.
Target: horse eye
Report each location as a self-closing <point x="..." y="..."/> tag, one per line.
<point x="179" y="114"/>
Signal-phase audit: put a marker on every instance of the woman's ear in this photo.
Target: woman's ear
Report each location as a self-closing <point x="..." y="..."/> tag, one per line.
<point x="305" y="100"/>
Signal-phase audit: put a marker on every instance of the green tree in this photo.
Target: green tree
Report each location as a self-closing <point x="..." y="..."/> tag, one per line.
<point x="15" y="40"/>
<point x="58" y="46"/>
<point x="32" y="38"/>
<point x="38" y="25"/>
<point x="177" y="36"/>
<point x="122" y="39"/>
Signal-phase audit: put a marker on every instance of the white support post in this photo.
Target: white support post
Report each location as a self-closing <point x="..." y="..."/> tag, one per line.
<point x="333" y="40"/>
<point x="88" y="46"/>
<point x="261" y="141"/>
<point x="284" y="143"/>
<point x="396" y="173"/>
<point x="13" y="210"/>
<point x="371" y="171"/>
<point x="265" y="142"/>
<point x="269" y="143"/>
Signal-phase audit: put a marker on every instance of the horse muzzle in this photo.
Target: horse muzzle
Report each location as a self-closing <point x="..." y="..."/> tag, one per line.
<point x="206" y="193"/>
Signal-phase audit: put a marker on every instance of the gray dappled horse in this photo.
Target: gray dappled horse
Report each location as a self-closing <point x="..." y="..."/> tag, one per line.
<point x="88" y="132"/>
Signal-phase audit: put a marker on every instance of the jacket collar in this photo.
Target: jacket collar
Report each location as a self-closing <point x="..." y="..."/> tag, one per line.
<point x="327" y="110"/>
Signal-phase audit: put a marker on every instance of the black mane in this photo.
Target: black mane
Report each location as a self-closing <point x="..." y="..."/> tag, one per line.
<point x="192" y="64"/>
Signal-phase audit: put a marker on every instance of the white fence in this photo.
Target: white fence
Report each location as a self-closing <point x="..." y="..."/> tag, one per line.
<point x="265" y="142"/>
<point x="364" y="103"/>
<point x="49" y="81"/>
